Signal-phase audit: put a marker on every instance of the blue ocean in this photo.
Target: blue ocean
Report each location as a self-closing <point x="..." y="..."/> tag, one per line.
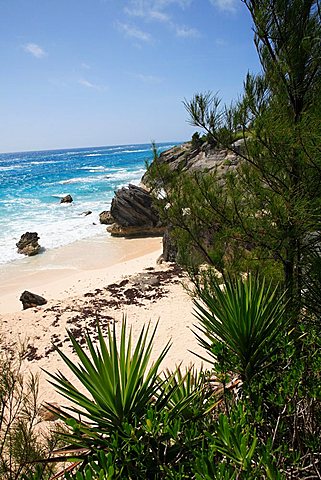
<point x="32" y="183"/>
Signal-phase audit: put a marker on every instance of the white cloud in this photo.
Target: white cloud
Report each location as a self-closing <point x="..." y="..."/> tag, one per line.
<point x="34" y="50"/>
<point x="227" y="5"/>
<point x="159" y="16"/>
<point x="88" y="84"/>
<point x="186" y="32"/>
<point x="147" y="12"/>
<point x="153" y="9"/>
<point x="85" y="66"/>
<point x="157" y="10"/>
<point x="148" y="78"/>
<point x="134" y="32"/>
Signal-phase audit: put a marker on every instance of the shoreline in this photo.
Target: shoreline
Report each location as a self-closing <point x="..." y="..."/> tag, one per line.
<point x="71" y="269"/>
<point x="136" y="288"/>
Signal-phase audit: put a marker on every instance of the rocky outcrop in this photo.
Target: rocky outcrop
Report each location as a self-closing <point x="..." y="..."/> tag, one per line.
<point x="85" y="214"/>
<point x="28" y="244"/>
<point x="30" y="300"/>
<point x="207" y="158"/>
<point x="185" y="158"/>
<point x="66" y="199"/>
<point x="106" y="218"/>
<point x="134" y="214"/>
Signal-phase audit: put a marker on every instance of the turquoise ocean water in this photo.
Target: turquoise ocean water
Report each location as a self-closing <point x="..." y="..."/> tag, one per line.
<point x="32" y="183"/>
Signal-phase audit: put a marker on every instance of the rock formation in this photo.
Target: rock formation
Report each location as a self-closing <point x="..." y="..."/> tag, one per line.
<point x="183" y="158"/>
<point x="132" y="209"/>
<point x="28" y="244"/>
<point x="134" y="214"/>
<point x="30" y="300"/>
<point x="106" y="218"/>
<point x="66" y="199"/>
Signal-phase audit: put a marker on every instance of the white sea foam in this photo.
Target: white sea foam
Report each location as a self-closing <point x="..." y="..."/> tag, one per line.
<point x="56" y="226"/>
<point x="122" y="174"/>
<point x="136" y="151"/>
<point x="126" y="175"/>
<point x="59" y="195"/>
<point x="81" y="180"/>
<point x="9" y="160"/>
<point x="114" y="149"/>
<point x="53" y="235"/>
<point x="41" y="211"/>
<point x="44" y="162"/>
<point x="12" y="167"/>
<point x="21" y="202"/>
<point x="99" y="167"/>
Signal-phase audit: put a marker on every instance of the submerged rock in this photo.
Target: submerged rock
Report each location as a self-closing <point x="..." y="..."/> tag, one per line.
<point x="28" y="244"/>
<point x="66" y="199"/>
<point x="30" y="300"/>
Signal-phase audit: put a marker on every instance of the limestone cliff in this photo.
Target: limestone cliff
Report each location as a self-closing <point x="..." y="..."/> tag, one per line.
<point x="185" y="158"/>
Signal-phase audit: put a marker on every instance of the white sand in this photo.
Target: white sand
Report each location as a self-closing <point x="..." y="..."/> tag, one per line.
<point x="70" y="270"/>
<point x="69" y="279"/>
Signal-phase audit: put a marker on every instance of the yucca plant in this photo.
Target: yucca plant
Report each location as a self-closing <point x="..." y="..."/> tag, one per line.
<point x="240" y="320"/>
<point x="119" y="382"/>
<point x="187" y="391"/>
<point x="129" y="410"/>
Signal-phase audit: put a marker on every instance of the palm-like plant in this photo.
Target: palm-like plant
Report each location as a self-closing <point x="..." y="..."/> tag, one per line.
<point x="186" y="391"/>
<point x="118" y="378"/>
<point x="131" y="412"/>
<point x="240" y="320"/>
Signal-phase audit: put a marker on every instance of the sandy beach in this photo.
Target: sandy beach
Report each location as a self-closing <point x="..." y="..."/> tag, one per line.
<point x="96" y="279"/>
<point x="70" y="270"/>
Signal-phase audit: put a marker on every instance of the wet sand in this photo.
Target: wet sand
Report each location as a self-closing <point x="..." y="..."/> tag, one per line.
<point x="68" y="270"/>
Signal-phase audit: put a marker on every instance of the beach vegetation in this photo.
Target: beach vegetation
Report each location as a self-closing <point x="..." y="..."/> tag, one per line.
<point x="255" y="413"/>
<point x="117" y="378"/>
<point x="191" y="424"/>
<point x="129" y="411"/>
<point x="23" y="443"/>
<point x="197" y="141"/>
<point x="240" y="322"/>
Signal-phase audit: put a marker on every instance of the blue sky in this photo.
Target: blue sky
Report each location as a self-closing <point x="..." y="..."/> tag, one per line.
<point x="104" y="72"/>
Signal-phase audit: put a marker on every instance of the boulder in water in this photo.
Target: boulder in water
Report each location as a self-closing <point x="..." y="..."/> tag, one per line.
<point x="66" y="199"/>
<point x="28" y="244"/>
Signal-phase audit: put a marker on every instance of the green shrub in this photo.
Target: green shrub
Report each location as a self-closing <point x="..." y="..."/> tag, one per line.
<point x="21" y="445"/>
